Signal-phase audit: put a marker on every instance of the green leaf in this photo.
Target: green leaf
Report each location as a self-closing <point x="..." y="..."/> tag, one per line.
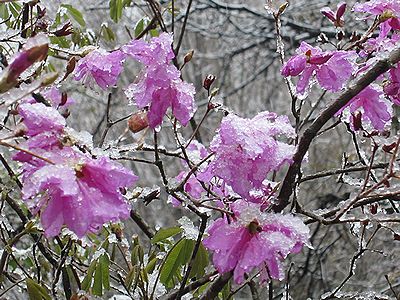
<point x="60" y="41"/>
<point x="116" y="7"/>
<point x="151" y="265"/>
<point x="97" y="288"/>
<point x="163" y="234"/>
<point x="87" y="281"/>
<point x="15" y="9"/>
<point x="154" y="33"/>
<point x="177" y="257"/>
<point x="105" y="270"/>
<point x="4" y="13"/>
<point x="226" y="291"/>
<point x="36" y="291"/>
<point x="139" y="27"/>
<point x="75" y="14"/>
<point x="108" y="33"/>
<point x="200" y="262"/>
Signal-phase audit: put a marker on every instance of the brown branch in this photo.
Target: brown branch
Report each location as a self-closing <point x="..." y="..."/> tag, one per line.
<point x="310" y="133"/>
<point x="213" y="290"/>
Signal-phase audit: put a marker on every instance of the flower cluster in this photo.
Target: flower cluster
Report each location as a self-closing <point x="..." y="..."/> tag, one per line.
<point x="66" y="186"/>
<point x="388" y="12"/>
<point x="101" y="66"/>
<point x="246" y="150"/>
<point x="160" y="86"/>
<point x="372" y="105"/>
<point x="253" y="239"/>
<point x="332" y="68"/>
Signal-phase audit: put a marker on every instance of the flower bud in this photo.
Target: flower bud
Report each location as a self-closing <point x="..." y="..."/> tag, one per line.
<point x="357" y="121"/>
<point x="373" y="208"/>
<point x="138" y="121"/>
<point x="65" y="30"/>
<point x="188" y="56"/>
<point x="208" y="81"/>
<point x="35" y="50"/>
<point x="64" y="98"/>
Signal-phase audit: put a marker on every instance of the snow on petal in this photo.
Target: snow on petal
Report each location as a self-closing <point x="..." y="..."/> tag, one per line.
<point x="101" y="66"/>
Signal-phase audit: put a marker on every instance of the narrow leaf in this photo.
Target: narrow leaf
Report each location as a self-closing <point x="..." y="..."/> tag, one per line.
<point x="177" y="257"/>
<point x="105" y="270"/>
<point x="87" y="281"/>
<point x="75" y="14"/>
<point x="97" y="288"/>
<point x="36" y="291"/>
<point x="163" y="234"/>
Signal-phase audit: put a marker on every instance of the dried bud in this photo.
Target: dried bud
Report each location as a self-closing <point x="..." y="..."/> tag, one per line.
<point x="70" y="67"/>
<point x="389" y="148"/>
<point x="188" y="56"/>
<point x="357" y="121"/>
<point x="65" y="30"/>
<point x="396" y="237"/>
<point x="40" y="12"/>
<point x="64" y="98"/>
<point x="138" y="121"/>
<point x="373" y="208"/>
<point x="208" y="81"/>
<point x="340" y="35"/>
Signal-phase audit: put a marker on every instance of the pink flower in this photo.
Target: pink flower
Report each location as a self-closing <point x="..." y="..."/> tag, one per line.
<point x="196" y="153"/>
<point x="392" y="88"/>
<point x="77" y="191"/>
<point x="246" y="150"/>
<point x="160" y="86"/>
<point x="65" y="185"/>
<point x="335" y="17"/>
<point x="375" y="109"/>
<point x="101" y="66"/>
<point x="34" y="50"/>
<point x="39" y="118"/>
<point x="332" y="68"/>
<point x="253" y="239"/>
<point x="387" y="10"/>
